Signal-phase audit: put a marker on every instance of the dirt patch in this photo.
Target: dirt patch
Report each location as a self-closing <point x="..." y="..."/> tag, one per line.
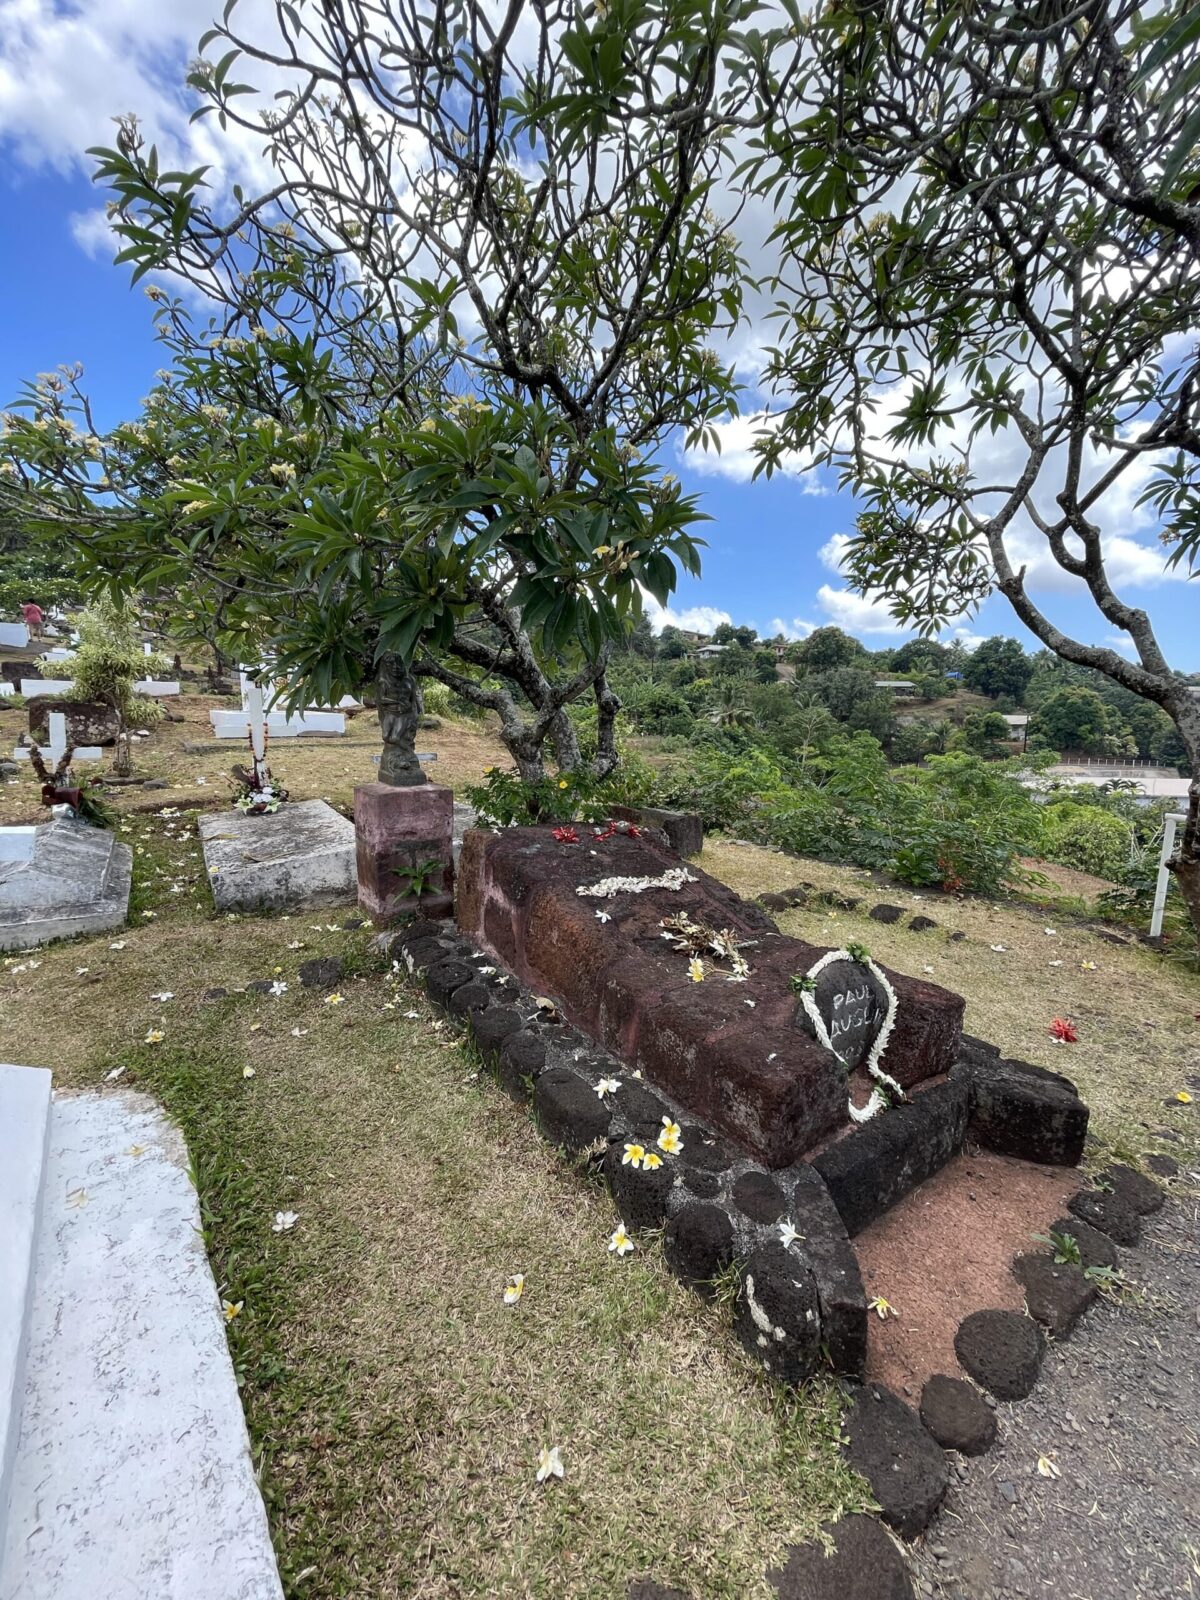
<point x="946" y="1251"/>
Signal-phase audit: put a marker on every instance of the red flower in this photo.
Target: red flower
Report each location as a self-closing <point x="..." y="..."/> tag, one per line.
<point x="609" y="832"/>
<point x="566" y="835"/>
<point x="1064" y="1030"/>
<point x="632" y="829"/>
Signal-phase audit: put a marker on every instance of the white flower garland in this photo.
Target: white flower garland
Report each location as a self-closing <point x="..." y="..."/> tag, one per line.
<point x="878" y="1045"/>
<point x="674" y="878"/>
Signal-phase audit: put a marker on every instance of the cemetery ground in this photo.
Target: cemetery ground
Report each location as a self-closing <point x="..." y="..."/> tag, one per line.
<point x="397" y="1406"/>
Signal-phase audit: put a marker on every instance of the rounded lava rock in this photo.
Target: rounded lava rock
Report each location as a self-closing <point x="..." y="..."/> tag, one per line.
<point x="957" y="1416"/>
<point x="699" y="1244"/>
<point x="1002" y="1351"/>
<point x="906" y="1468"/>
<point x="864" y="1564"/>
<point x="778" y="1315"/>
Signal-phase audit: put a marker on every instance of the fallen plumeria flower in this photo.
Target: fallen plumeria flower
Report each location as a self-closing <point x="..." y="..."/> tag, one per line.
<point x="882" y="1309"/>
<point x="1063" y="1029"/>
<point x="1046" y="1468"/>
<point x="514" y="1289"/>
<point x="297" y="944"/>
<point x="549" y="1464"/>
<point x="620" y="1243"/>
<point x="298" y="1033"/>
<point x="117" y="944"/>
<point x="231" y="1309"/>
<point x="566" y="835"/>
<point x="163" y="996"/>
<point x="1183" y="1097"/>
<point x="696" y="970"/>
<point x="82" y="972"/>
<point x="247" y="1072"/>
<point x="1087" y="966"/>
<point x="155" y="1036"/>
<point x="651" y="1161"/>
<point x="334" y="999"/>
<point x="788" y="1234"/>
<point x="669" y="1139"/>
<point x="633" y="1155"/>
<point x="999" y="948"/>
<point x="607" y="1086"/>
<point x="285" y="1221"/>
<point x="603" y="916"/>
<point x="278" y="988"/>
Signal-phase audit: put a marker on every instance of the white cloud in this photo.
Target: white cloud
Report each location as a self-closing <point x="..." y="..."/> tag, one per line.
<point x="737" y="458"/>
<point x="92" y="232"/>
<point x="695" y="619"/>
<point x="797" y="628"/>
<point x="859" y="614"/>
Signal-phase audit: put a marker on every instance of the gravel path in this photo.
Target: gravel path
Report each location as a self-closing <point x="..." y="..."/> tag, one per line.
<point x="1117" y="1411"/>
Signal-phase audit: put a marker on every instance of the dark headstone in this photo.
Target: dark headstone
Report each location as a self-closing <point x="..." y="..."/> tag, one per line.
<point x="906" y="1468"/>
<point x="569" y="1111"/>
<point x="259" y="985"/>
<point x="1140" y="1194"/>
<point x="698" y="1244"/>
<point x="1002" y="1351"/>
<point x="214" y="994"/>
<point x="864" y="1564"/>
<point x="322" y="972"/>
<point x="1057" y="1294"/>
<point x="759" y="1197"/>
<point x="89" y="722"/>
<point x="778" y="1317"/>
<point x="1096" y="1249"/>
<point x="886" y="913"/>
<point x="853" y="1004"/>
<point x="957" y="1417"/>
<point x="921" y="924"/>
<point x="1107" y="1210"/>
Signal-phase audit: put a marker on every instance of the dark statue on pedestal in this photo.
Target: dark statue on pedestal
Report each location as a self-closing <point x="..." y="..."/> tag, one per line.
<point x="398" y="699"/>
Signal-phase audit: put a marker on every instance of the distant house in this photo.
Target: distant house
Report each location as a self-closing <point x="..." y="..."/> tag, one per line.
<point x="900" y="687"/>
<point x="780" y="647"/>
<point x="707" y="651"/>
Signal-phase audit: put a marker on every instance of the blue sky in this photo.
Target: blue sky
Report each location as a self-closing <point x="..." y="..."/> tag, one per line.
<point x="772" y="556"/>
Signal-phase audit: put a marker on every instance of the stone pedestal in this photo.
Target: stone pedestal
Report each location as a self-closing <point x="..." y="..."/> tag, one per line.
<point x="397" y="833"/>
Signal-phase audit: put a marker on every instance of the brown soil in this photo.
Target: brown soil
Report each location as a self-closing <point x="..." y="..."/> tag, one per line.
<point x="945" y="1252"/>
<point x="1065" y="880"/>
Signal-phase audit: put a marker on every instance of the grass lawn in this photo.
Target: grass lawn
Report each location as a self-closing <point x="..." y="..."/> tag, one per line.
<point x="398" y="1407"/>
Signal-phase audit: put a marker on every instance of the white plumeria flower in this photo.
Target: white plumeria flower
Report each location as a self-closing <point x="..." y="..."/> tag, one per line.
<point x="117" y="1072"/>
<point x="117" y="944"/>
<point x="413" y="1016"/>
<point x="1054" y="963"/>
<point x="696" y="970"/>
<point x="22" y="967"/>
<point x="33" y="965"/>
<point x="278" y="988"/>
<point x="285" y="1221"/>
<point x="926" y="968"/>
<point x="603" y="916"/>
<point x="82" y="972"/>
<point x="549" y="1464"/>
<point x="620" y="1243"/>
<point x="155" y="1036"/>
<point x="750" y="1003"/>
<point x="247" y="1072"/>
<point x="1050" y="932"/>
<point x="1047" y="1468"/>
<point x="298" y="944"/>
<point x="163" y="996"/>
<point x="298" y="1033"/>
<point x="1000" y="949"/>
<point x="607" y="1086"/>
<point x="514" y="1288"/>
<point x="788" y="1235"/>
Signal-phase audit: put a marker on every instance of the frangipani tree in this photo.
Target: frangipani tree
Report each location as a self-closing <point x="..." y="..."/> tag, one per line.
<point x="447" y="345"/>
<point x="989" y="301"/>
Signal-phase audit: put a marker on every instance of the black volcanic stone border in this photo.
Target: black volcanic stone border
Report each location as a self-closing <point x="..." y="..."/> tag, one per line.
<point x="718" y="1210"/>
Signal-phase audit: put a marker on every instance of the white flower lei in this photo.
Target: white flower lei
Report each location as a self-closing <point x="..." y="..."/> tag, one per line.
<point x="878" y="1045"/>
<point x="674" y="878"/>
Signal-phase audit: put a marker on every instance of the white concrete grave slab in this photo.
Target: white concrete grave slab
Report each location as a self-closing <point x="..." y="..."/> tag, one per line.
<point x="157" y="688"/>
<point x="258" y="710"/>
<point x="6" y="688"/>
<point x="14" y="633"/>
<point x="24" y="1125"/>
<point x="133" y="1474"/>
<point x="299" y="856"/>
<point x="32" y="686"/>
<point x="68" y="879"/>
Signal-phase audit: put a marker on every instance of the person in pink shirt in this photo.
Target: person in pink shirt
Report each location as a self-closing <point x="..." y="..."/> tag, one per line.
<point x="33" y="618"/>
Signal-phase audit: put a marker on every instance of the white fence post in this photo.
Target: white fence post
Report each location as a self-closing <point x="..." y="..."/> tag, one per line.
<point x="1170" y="822"/>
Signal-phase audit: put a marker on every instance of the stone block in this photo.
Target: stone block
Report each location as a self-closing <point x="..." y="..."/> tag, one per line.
<point x="835" y="1271"/>
<point x="296" y="858"/>
<point x="569" y="1111"/>
<point x="876" y="1165"/>
<point x="1024" y="1111"/>
<point x="1096" y="1249"/>
<point x="699" y="1244"/>
<point x="59" y="879"/>
<point x="683" y="830"/>
<point x="1140" y="1193"/>
<point x="957" y="1416"/>
<point x="88" y="722"/>
<point x="1108" y="1211"/>
<point x="863" y="1563"/>
<point x="1057" y="1293"/>
<point x="778" y="1316"/>
<point x="906" y="1468"/>
<point x="1002" y="1350"/>
<point x="397" y="833"/>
